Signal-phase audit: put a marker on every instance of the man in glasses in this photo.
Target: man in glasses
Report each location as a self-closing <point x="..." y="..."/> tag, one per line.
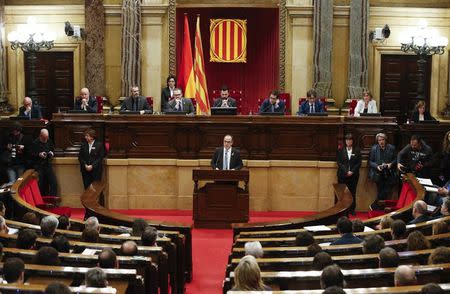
<point x="227" y="157"/>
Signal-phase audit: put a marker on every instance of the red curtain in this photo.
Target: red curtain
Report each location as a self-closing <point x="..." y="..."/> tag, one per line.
<point x="259" y="75"/>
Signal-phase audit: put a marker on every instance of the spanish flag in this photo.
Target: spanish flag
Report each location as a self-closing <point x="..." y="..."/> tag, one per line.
<point x="201" y="90"/>
<point x="186" y="78"/>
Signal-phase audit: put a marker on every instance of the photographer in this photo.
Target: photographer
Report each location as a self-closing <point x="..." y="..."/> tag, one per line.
<point x="14" y="153"/>
<point x="415" y="158"/>
<point x="42" y="153"/>
<point x="382" y="162"/>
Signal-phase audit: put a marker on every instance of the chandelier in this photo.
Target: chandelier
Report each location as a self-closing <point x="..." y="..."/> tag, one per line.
<point x="31" y="37"/>
<point x="423" y="41"/>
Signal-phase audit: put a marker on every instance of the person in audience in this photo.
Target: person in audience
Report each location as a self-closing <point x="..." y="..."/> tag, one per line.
<point x="321" y="260"/>
<point x="247" y="276"/>
<point x="89" y="235"/>
<point x="29" y="109"/>
<point x="167" y="92"/>
<point x="439" y="255"/>
<point x="149" y="236"/>
<point x="416" y="157"/>
<point x="398" y="230"/>
<point x="404" y="276"/>
<point x="129" y="248"/>
<point x="333" y="290"/>
<point x="225" y="100"/>
<point x="136" y="102"/>
<point x="272" y="104"/>
<point x="139" y="226"/>
<point x="254" y="249"/>
<point x="420" y="113"/>
<point x="313" y="249"/>
<point x="1" y="250"/>
<point x="42" y="153"/>
<point x="366" y="104"/>
<point x="92" y="223"/>
<point x="385" y="223"/>
<point x="180" y="103"/>
<point x="26" y="239"/>
<point x="304" y="238"/>
<point x="32" y="218"/>
<point x="96" y="277"/>
<point x="417" y="241"/>
<point x="15" y="151"/>
<point x="445" y="207"/>
<point x="388" y="257"/>
<point x="382" y="168"/>
<point x="311" y="105"/>
<point x="2" y="209"/>
<point x="439" y="228"/>
<point x="47" y="256"/>
<point x="61" y="244"/>
<point x="227" y="157"/>
<point x="373" y="244"/>
<point x="3" y="226"/>
<point x="445" y="159"/>
<point x="419" y="212"/>
<point x="432" y="288"/>
<point x="57" y="288"/>
<point x="85" y="102"/>
<point x="349" y="162"/>
<point x="108" y="259"/>
<point x="90" y="157"/>
<point x="63" y="222"/>
<point x="48" y="226"/>
<point x="345" y="228"/>
<point x="437" y="198"/>
<point x="332" y="276"/>
<point x="14" y="270"/>
<point x="357" y="225"/>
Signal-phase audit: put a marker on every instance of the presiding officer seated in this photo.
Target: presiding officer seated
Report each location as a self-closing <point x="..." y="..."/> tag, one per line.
<point x="136" y="103"/>
<point x="227" y="157"/>
<point x="85" y="102"/>
<point x="225" y="100"/>
<point x="311" y="105"/>
<point x="180" y="103"/>
<point x="272" y="104"/>
<point x="29" y="109"/>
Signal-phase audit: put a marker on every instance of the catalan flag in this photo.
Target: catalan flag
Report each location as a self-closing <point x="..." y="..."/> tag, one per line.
<point x="228" y="40"/>
<point x="186" y="77"/>
<point x="201" y="90"/>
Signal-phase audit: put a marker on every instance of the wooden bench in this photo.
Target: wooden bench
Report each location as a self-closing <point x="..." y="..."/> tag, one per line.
<point x="39" y="288"/>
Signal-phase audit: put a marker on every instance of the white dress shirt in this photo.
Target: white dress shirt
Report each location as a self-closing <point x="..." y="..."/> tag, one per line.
<point x="90" y="146"/>
<point x="228" y="157"/>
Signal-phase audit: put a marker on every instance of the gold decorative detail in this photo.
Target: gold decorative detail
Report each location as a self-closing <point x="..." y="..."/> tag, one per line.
<point x="172" y="37"/>
<point x="282" y="36"/>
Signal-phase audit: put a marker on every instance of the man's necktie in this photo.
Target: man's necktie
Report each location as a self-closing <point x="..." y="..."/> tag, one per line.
<point x="225" y="160"/>
<point x="314" y="109"/>
<point x="310" y="108"/>
<point x="134" y="105"/>
<point x="272" y="108"/>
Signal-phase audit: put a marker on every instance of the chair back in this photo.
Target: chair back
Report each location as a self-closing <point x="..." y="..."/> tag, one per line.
<point x="352" y="106"/>
<point x="99" y="104"/>
<point x="37" y="197"/>
<point x="150" y="101"/>
<point x="26" y="194"/>
<point x="286" y="98"/>
<point x="407" y="196"/>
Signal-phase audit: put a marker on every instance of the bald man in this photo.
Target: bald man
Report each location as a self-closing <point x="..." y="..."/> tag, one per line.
<point x="405" y="276"/>
<point x="85" y="102"/>
<point x="42" y="153"/>
<point x="29" y="110"/>
<point x="419" y="212"/>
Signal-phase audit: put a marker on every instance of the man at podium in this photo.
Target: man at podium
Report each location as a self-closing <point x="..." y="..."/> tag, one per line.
<point x="227" y="157"/>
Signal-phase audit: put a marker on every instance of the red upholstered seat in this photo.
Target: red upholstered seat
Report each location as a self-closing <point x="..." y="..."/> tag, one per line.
<point x="407" y="196"/>
<point x="286" y="98"/>
<point x="32" y="195"/>
<point x="27" y="195"/>
<point x="99" y="104"/>
<point x="150" y="101"/>
<point x="352" y="106"/>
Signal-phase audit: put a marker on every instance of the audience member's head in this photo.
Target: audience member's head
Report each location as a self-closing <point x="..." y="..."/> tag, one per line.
<point x="31" y="218"/>
<point x="139" y="226"/>
<point x="373" y="244"/>
<point x="313" y="249"/>
<point x="389" y="257"/>
<point x="432" y="288"/>
<point x="13" y="270"/>
<point x="357" y="225"/>
<point x="2" y="209"/>
<point x="64" y="223"/>
<point x="247" y="275"/>
<point x="92" y="223"/>
<point x="89" y="235"/>
<point x="47" y="256"/>
<point x="304" y="238"/>
<point x="332" y="276"/>
<point x="26" y="239"/>
<point x="419" y="208"/>
<point x="386" y="222"/>
<point x="57" y="288"/>
<point x="344" y="225"/>
<point x="48" y="226"/>
<point x="398" y="229"/>
<point x="96" y="277"/>
<point x="440" y="228"/>
<point x="333" y="290"/>
<point x="404" y="276"/>
<point x="321" y="260"/>
<point x="129" y="248"/>
<point x="61" y="244"/>
<point x="107" y="259"/>
<point x="254" y="248"/>
<point x="439" y="255"/>
<point x="445" y="207"/>
<point x="417" y="241"/>
<point x="149" y="236"/>
<point x="3" y="226"/>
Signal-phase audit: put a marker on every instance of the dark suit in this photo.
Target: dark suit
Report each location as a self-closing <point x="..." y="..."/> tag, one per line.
<point x="35" y="112"/>
<point x="186" y="103"/>
<point x="230" y="101"/>
<point x="347" y="238"/>
<point x="136" y="104"/>
<point x="384" y="180"/>
<point x="419" y="219"/>
<point x="266" y="106"/>
<point x="47" y="177"/>
<point x="94" y="158"/>
<point x="305" y="108"/>
<point x="426" y="116"/>
<point x="165" y="97"/>
<point x="91" y="107"/>
<point x="346" y="164"/>
<point x="235" y="159"/>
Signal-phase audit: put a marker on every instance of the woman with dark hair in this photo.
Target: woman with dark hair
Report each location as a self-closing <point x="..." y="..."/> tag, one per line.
<point x="167" y="92"/>
<point x="420" y="113"/>
<point x="90" y="158"/>
<point x="417" y="241"/>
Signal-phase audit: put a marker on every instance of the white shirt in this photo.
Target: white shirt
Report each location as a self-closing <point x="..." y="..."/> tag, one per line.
<point x="171" y="91"/>
<point x="421" y="117"/>
<point x="349" y="152"/>
<point x="228" y="157"/>
<point x="90" y="146"/>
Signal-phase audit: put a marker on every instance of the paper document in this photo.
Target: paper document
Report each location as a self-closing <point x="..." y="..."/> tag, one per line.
<point x="431" y="208"/>
<point x="424" y="181"/>
<point x="12" y="231"/>
<point x="325" y="244"/>
<point x="319" y="228"/>
<point x="368" y="229"/>
<point x="89" y="251"/>
<point x="431" y="189"/>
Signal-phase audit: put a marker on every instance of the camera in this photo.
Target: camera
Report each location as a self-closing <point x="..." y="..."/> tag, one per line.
<point x="13" y="151"/>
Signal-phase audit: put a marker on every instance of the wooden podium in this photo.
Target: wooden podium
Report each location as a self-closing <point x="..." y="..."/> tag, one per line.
<point x="218" y="204"/>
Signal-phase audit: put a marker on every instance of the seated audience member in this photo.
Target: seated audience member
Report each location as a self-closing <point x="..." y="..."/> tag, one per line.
<point x="47" y="256"/>
<point x="2" y="209"/>
<point x="31" y="218"/>
<point x="254" y="249"/>
<point x="272" y="104"/>
<point x="417" y="241"/>
<point x="388" y="257"/>
<point x="345" y="227"/>
<point x="14" y="155"/>
<point x="439" y="228"/>
<point x="247" y="276"/>
<point x="432" y="288"/>
<point x="225" y="100"/>
<point x="357" y="225"/>
<point x="57" y="288"/>
<point x="366" y="104"/>
<point x="398" y="230"/>
<point x="13" y="270"/>
<point x="96" y="277"/>
<point x="92" y="223"/>
<point x="30" y="109"/>
<point x="63" y="223"/>
<point x="90" y="235"/>
<point x="313" y="249"/>
<point x="3" y="226"/>
<point x="48" y="226"/>
<point x="373" y="244"/>
<point x="445" y="207"/>
<point x="42" y="154"/>
<point x="438" y="198"/>
<point x="332" y="276"/>
<point x="416" y="157"/>
<point x="167" y="92"/>
<point x="311" y="105"/>
<point x="419" y="212"/>
<point x="149" y="236"/>
<point x="227" y="157"/>
<point x="304" y="238"/>
<point x="26" y="239"/>
<point x="334" y="290"/>
<point x="179" y="103"/>
<point x="420" y="113"/>
<point x="385" y="223"/>
<point x="61" y="244"/>
<point x="136" y="102"/>
<point x="321" y="260"/>
<point x="129" y="248"/>
<point x="139" y="226"/>
<point x="404" y="276"/>
<point x="85" y="102"/>
<point x="108" y="259"/>
<point x="439" y="255"/>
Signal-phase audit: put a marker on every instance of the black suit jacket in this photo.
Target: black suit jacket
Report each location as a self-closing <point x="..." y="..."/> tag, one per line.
<point x="346" y="164"/>
<point x="165" y="98"/>
<point x="218" y="102"/>
<point x="91" y="107"/>
<point x="127" y="104"/>
<point x="94" y="158"/>
<point x="187" y="105"/>
<point x="35" y="112"/>
<point x="426" y="116"/>
<point x="235" y="160"/>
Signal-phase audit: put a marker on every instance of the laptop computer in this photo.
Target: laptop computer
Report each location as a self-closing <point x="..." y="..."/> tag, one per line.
<point x="376" y="114"/>
<point x="223" y="110"/>
<point x="318" y="114"/>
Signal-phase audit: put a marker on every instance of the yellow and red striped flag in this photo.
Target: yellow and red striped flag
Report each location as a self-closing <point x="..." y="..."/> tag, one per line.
<point x="228" y="40"/>
<point x="186" y="77"/>
<point x="201" y="90"/>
